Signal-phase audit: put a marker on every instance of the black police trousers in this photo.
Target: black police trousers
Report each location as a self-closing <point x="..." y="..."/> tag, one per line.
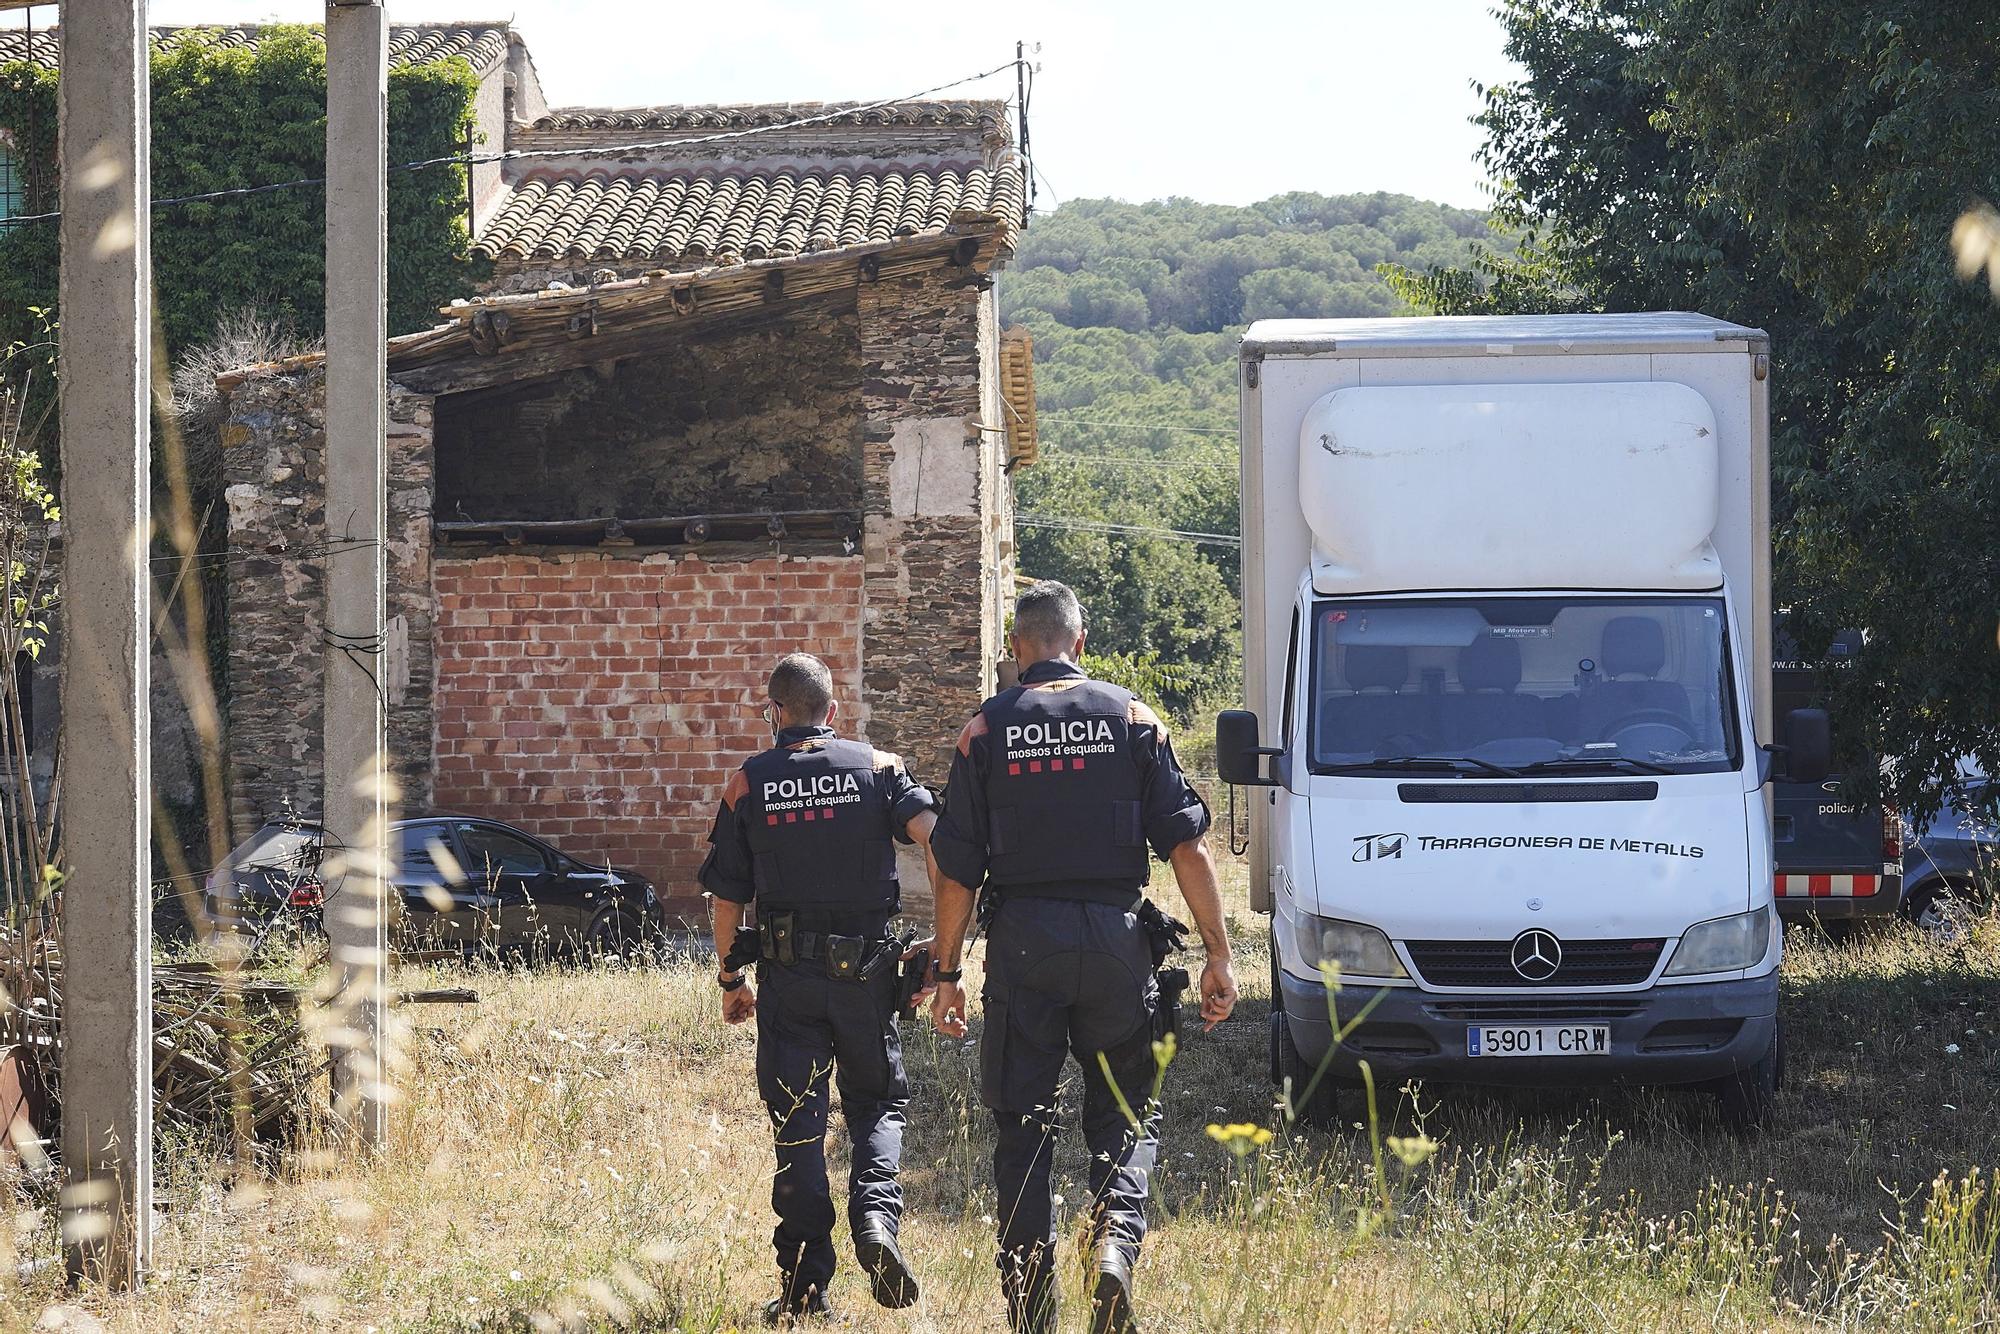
<point x="812" y="1031"/>
<point x="1062" y="977"/>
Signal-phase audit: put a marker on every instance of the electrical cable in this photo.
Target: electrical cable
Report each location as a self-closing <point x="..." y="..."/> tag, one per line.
<point x="527" y="154"/>
<point x="1060" y="523"/>
<point x="1135" y="426"/>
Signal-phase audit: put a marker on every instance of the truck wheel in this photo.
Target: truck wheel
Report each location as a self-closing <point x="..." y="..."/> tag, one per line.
<point x="1748" y="1096"/>
<point x="1323" y="1108"/>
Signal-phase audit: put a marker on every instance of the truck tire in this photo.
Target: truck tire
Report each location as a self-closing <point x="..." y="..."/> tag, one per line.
<point x="1747" y="1097"/>
<point x="1323" y="1109"/>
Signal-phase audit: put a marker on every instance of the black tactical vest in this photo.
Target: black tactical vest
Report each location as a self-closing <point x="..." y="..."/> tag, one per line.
<point x="818" y="823"/>
<point x="1063" y="792"/>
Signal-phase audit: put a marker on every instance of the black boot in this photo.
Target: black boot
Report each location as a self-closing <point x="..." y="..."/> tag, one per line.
<point x="790" y="1308"/>
<point x="1111" y="1295"/>
<point x="1030" y="1286"/>
<point x="889" y="1276"/>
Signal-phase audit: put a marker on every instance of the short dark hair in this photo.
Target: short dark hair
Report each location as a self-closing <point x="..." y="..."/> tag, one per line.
<point x="803" y="687"/>
<point x="1048" y="615"/>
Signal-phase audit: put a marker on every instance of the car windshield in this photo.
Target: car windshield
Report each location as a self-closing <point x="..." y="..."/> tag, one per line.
<point x="1501" y="687"/>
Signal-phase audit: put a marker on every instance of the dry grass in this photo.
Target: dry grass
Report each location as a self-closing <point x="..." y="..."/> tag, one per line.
<point x="586" y="1146"/>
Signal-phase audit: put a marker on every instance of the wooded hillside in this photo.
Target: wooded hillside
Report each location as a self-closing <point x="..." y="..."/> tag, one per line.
<point x="1136" y="311"/>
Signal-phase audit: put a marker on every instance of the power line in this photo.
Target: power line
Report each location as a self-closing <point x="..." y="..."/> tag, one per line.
<point x="1141" y="463"/>
<point x="1136" y="426"/>
<point x="524" y="154"/>
<point x="1060" y="523"/>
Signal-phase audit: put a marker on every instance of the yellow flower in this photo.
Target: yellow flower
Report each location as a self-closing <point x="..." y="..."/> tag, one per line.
<point x="1240" y="1137"/>
<point x="1414" y="1151"/>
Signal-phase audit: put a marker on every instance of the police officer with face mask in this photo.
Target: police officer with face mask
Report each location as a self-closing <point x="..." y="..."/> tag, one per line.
<point x="804" y="831"/>
<point x="1059" y="787"/>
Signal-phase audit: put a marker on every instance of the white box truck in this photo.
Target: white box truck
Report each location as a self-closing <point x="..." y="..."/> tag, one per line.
<point x="1507" y="621"/>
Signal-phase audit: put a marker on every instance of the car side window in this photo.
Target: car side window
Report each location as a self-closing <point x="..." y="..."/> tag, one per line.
<point x="491" y="851"/>
<point x="427" y="856"/>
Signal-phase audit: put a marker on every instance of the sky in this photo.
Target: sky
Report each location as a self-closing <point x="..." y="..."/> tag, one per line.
<point x="1134" y="99"/>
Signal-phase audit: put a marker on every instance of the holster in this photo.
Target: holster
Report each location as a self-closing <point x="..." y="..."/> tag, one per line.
<point x="916" y="972"/>
<point x="1165" y="934"/>
<point x="744" y="951"/>
<point x="1174" y="983"/>
<point x="986" y="907"/>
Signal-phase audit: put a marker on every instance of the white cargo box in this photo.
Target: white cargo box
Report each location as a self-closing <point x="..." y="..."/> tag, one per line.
<point x="1510" y="486"/>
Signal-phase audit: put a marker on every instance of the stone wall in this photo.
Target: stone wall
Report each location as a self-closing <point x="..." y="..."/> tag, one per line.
<point x="730" y="423"/>
<point x="927" y="648"/>
<point x="274" y="478"/>
<point x="601" y="701"/>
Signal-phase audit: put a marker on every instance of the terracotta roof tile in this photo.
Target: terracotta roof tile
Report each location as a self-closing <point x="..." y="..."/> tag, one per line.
<point x="484" y="45"/>
<point x="968" y="114"/>
<point x="670" y="214"/>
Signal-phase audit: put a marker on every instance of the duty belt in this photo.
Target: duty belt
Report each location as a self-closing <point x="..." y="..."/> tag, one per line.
<point x="844" y="956"/>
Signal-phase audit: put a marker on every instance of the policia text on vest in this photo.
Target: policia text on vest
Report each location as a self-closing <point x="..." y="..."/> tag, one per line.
<point x="1059" y="788"/>
<point x="805" y="833"/>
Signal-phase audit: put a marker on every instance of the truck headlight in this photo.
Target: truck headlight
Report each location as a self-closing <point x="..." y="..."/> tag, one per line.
<point x="1723" y="945"/>
<point x="1360" y="950"/>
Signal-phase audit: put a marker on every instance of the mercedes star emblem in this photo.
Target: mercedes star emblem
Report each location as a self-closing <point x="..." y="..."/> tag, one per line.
<point x="1537" y="955"/>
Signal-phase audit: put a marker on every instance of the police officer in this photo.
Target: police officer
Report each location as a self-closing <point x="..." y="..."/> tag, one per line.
<point x="804" y="832"/>
<point x="1059" y="786"/>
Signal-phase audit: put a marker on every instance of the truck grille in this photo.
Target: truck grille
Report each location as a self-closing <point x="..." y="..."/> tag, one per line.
<point x="1490" y="963"/>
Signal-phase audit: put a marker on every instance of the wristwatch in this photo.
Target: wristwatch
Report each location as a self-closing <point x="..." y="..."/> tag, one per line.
<point x="730" y="983"/>
<point x="950" y="974"/>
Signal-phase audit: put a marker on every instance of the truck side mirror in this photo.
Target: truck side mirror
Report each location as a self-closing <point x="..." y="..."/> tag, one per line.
<point x="1238" y="758"/>
<point x="1808" y="745"/>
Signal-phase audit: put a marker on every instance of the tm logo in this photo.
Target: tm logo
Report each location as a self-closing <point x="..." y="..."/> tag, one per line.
<point x="1379" y="847"/>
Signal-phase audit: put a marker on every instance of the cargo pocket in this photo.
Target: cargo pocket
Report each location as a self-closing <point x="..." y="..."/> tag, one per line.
<point x="1127" y="829"/>
<point x="993" y="1051"/>
<point x="869" y="1052"/>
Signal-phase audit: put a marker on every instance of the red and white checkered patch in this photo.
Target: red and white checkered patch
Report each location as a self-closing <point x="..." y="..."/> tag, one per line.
<point x="1828" y="886"/>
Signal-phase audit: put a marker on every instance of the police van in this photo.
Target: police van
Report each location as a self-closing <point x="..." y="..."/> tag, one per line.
<point x="1837" y="861"/>
<point x="1507" y="625"/>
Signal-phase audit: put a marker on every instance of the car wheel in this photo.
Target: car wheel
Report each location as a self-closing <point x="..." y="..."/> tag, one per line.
<point x="1747" y="1097"/>
<point x="1941" y="909"/>
<point x="612" y="934"/>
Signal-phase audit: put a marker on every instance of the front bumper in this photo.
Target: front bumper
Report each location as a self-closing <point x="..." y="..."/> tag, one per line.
<point x="1665" y="1035"/>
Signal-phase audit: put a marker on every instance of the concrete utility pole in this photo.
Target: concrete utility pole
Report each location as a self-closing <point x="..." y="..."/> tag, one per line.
<point x="106" y="392"/>
<point x="356" y="799"/>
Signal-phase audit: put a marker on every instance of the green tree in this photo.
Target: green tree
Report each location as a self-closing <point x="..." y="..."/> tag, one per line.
<point x="1795" y="166"/>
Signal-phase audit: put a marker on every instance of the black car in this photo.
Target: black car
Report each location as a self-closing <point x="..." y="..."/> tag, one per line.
<point x="460" y="883"/>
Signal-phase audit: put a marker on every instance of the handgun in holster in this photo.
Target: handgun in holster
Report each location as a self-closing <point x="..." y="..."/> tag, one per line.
<point x="745" y="950"/>
<point x="870" y="956"/>
<point x="1165" y="934"/>
<point x="916" y="973"/>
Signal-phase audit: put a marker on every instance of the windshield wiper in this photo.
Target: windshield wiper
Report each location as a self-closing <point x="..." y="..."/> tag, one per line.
<point x="1448" y="762"/>
<point x="1621" y="762"/>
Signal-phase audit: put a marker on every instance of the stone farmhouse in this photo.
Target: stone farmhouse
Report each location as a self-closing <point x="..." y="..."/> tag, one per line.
<point x="726" y="395"/>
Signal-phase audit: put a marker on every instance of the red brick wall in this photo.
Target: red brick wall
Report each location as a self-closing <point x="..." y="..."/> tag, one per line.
<point x="600" y="701"/>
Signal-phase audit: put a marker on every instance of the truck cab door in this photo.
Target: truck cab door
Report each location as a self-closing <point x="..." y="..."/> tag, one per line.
<point x="1283" y="801"/>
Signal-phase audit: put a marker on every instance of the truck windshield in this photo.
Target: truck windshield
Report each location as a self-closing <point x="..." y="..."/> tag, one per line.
<point x="1497" y="687"/>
